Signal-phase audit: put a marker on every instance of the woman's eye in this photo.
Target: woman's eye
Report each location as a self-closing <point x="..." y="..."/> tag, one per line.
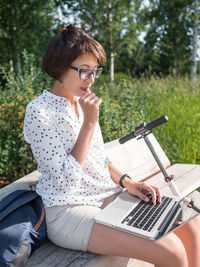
<point x="86" y="71"/>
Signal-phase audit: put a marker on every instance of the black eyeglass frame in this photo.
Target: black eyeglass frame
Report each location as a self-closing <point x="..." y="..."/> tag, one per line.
<point x="89" y="75"/>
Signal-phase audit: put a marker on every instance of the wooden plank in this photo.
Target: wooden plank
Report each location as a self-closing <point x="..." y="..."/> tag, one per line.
<point x="22" y="183"/>
<point x="135" y="158"/>
<point x="50" y="255"/>
<point x="138" y="263"/>
<point x="107" y="261"/>
<point x="186" y="178"/>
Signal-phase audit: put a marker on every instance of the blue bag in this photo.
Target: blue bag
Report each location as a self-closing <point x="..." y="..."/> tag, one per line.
<point x="22" y="227"/>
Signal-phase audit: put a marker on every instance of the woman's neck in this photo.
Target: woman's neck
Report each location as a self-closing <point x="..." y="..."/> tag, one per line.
<point x="71" y="99"/>
<point x="60" y="91"/>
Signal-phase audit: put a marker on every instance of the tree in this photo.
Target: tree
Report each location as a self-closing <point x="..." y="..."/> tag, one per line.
<point x="112" y="23"/>
<point x="24" y="24"/>
<point x="194" y="41"/>
<point x="168" y="40"/>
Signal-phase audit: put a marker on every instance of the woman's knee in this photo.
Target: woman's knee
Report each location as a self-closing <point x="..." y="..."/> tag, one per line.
<point x="174" y="251"/>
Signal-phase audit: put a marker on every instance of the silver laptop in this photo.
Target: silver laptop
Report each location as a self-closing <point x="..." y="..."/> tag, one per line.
<point x="129" y="213"/>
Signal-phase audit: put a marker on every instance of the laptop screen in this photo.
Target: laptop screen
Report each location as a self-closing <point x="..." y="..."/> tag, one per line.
<point x="185" y="212"/>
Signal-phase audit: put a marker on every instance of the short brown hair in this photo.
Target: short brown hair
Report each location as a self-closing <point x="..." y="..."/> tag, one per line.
<point x="63" y="49"/>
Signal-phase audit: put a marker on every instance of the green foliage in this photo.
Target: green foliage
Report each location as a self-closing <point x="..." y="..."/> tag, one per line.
<point x="15" y="154"/>
<point x="24" y="25"/>
<point x="129" y="102"/>
<point x="168" y="39"/>
<point x="117" y="25"/>
<point x="126" y="103"/>
<point x="121" y="109"/>
<point x="179" y="100"/>
<point x="112" y="23"/>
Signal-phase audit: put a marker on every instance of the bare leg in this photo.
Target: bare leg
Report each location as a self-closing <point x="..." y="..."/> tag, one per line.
<point x="168" y="251"/>
<point x="190" y="237"/>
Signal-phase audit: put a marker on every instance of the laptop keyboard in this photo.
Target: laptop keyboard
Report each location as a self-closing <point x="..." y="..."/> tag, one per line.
<point x="145" y="215"/>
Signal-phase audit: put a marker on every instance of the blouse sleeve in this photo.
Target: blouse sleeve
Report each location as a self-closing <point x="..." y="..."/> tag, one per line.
<point x="50" y="150"/>
<point x="107" y="160"/>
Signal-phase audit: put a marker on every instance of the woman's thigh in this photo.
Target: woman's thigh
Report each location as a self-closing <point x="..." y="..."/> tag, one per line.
<point x="70" y="226"/>
<point x="168" y="251"/>
<point x="190" y="237"/>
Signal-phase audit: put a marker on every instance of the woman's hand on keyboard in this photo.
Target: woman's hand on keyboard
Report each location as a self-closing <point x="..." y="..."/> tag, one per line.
<point x="142" y="190"/>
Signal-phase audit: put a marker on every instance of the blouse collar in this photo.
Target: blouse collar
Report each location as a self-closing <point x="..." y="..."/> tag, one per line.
<point x="52" y="98"/>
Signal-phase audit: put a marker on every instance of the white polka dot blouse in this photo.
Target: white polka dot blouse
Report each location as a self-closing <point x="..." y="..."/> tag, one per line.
<point x="51" y="128"/>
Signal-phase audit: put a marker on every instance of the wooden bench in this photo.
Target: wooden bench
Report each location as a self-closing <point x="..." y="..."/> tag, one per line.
<point x="135" y="159"/>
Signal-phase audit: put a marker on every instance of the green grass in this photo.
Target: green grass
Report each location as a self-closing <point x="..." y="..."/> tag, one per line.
<point x="126" y="103"/>
<point x="180" y="101"/>
<point x="176" y="98"/>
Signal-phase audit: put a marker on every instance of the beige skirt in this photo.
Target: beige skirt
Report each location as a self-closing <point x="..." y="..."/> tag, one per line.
<point x="70" y="226"/>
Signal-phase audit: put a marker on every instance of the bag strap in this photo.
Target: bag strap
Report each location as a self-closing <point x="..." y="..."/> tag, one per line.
<point x="40" y="220"/>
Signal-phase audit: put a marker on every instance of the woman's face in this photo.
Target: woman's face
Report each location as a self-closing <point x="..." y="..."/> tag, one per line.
<point x="70" y="81"/>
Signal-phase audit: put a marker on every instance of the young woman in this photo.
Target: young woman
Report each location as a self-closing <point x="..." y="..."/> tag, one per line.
<point x="61" y="125"/>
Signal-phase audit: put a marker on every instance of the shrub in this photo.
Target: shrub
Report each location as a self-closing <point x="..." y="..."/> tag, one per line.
<point x="126" y="103"/>
<point x="121" y="109"/>
<point x="15" y="154"/>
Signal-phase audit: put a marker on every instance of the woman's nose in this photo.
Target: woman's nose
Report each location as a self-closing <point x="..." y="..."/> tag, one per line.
<point x="91" y="79"/>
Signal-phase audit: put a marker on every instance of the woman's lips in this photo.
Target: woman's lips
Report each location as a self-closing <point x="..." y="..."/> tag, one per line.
<point x="84" y="89"/>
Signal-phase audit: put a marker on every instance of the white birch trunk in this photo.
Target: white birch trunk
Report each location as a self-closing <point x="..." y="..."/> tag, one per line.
<point x="175" y="68"/>
<point x="194" y="50"/>
<point x="19" y="67"/>
<point x="11" y="65"/>
<point x="112" y="67"/>
<point x="111" y="44"/>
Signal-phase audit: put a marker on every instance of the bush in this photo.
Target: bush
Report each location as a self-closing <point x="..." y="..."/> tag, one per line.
<point x="122" y="107"/>
<point x="126" y="103"/>
<point x="15" y="154"/>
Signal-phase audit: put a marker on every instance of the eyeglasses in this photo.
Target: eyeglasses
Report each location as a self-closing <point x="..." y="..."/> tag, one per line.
<point x="84" y="74"/>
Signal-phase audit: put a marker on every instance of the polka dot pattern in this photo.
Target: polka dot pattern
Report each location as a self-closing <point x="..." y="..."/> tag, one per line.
<point x="51" y="128"/>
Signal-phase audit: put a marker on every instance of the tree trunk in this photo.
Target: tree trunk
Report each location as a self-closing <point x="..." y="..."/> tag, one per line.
<point x="175" y="67"/>
<point x="194" y="51"/>
<point x="111" y="66"/>
<point x="11" y="65"/>
<point x="111" y="43"/>
<point x="19" y="66"/>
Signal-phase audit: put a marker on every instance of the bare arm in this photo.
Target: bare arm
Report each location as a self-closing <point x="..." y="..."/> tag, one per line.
<point x="82" y="145"/>
<point x="89" y="103"/>
<point x="139" y="189"/>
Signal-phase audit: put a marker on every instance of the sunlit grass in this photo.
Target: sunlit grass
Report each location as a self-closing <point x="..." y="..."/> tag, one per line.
<point x="180" y="101"/>
<point x="176" y="98"/>
<point x="126" y="103"/>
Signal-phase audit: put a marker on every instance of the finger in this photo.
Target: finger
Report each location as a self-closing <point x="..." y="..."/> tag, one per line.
<point x="92" y="97"/>
<point x="98" y="102"/>
<point x="95" y="98"/>
<point x="159" y="196"/>
<point x="142" y="196"/>
<point x="153" y="195"/>
<point x="87" y="97"/>
<point x="88" y="90"/>
<point x="146" y="190"/>
<point x="84" y="96"/>
<point x="141" y="192"/>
